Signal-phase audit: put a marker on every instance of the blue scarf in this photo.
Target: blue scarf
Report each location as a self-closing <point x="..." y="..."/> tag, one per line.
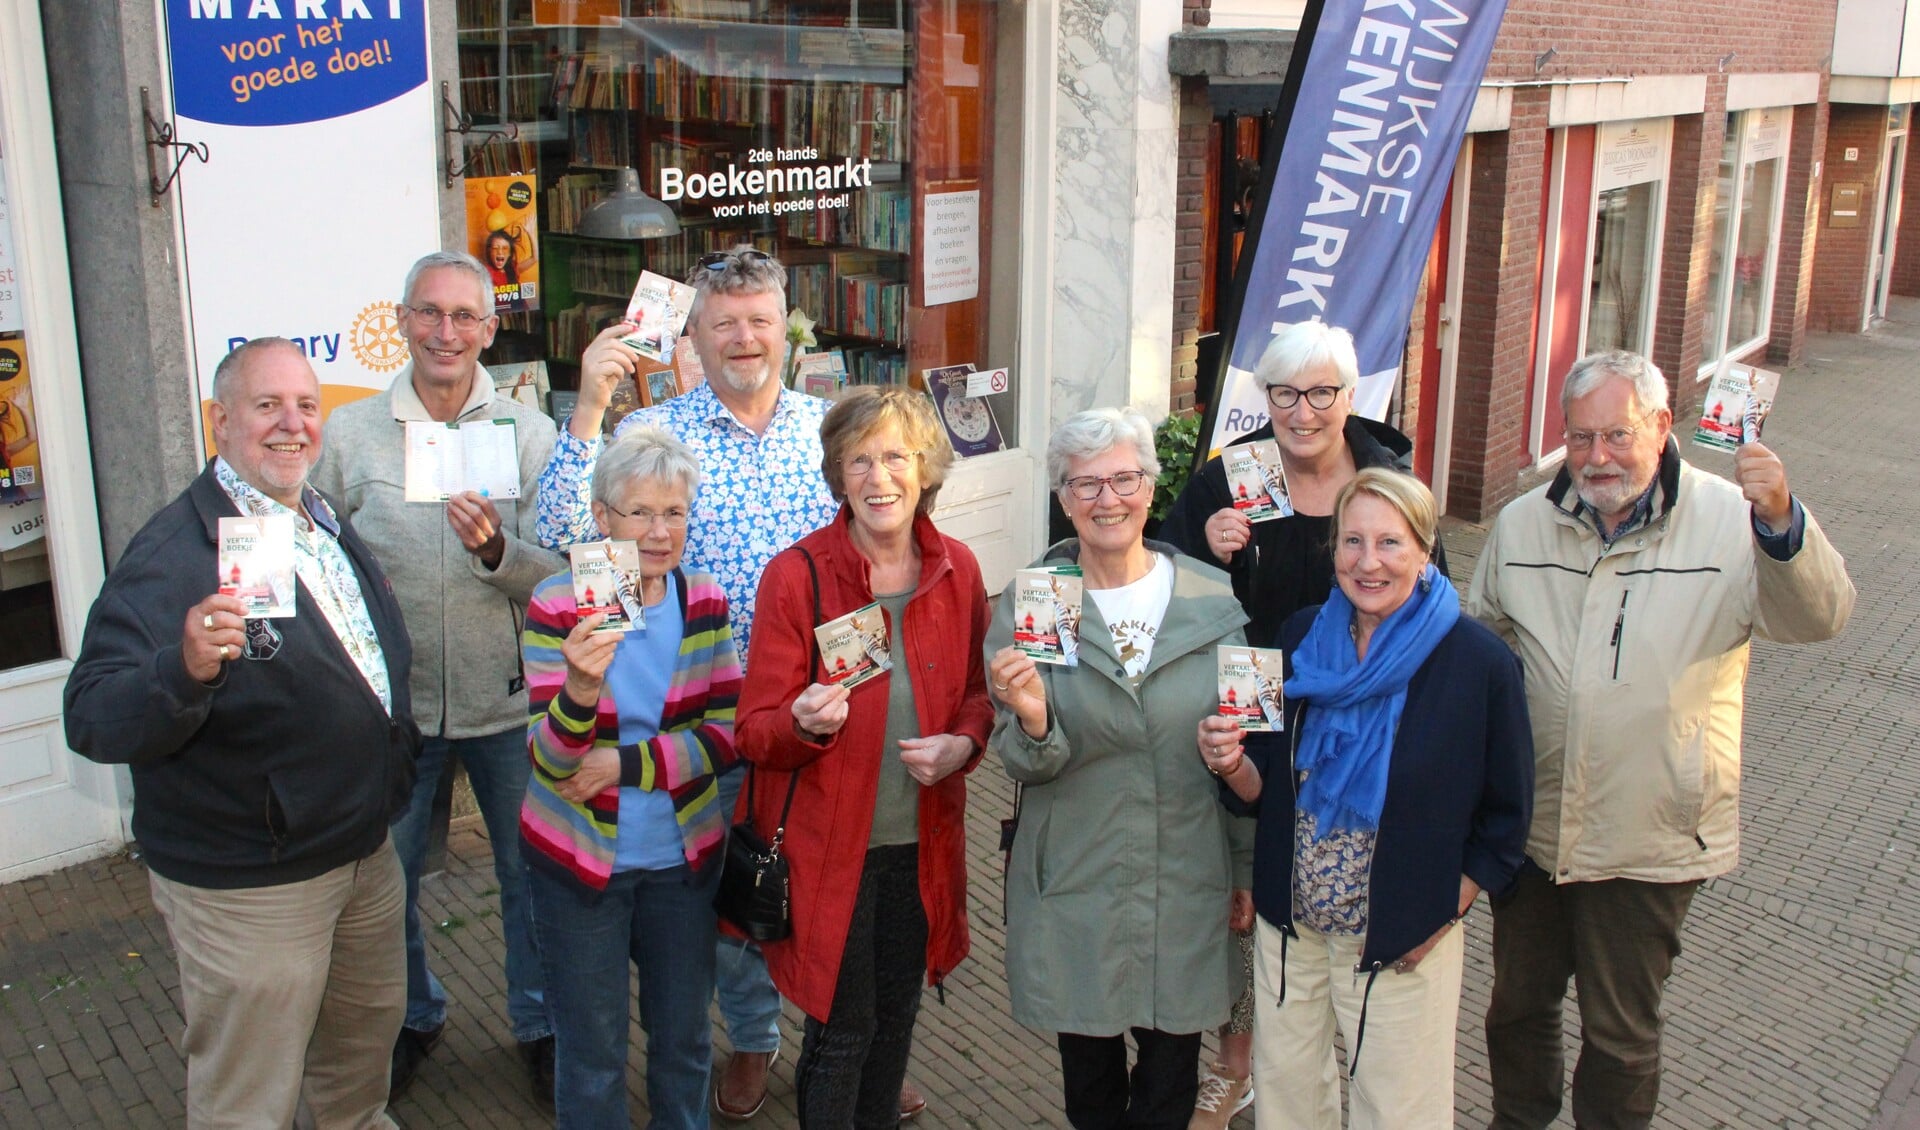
<point x="1347" y="740"/>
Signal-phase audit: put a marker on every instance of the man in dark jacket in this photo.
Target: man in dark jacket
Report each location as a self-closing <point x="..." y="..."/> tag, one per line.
<point x="267" y="756"/>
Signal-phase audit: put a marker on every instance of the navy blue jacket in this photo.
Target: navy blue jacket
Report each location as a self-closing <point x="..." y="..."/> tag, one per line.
<point x="281" y="769"/>
<point x="1459" y="792"/>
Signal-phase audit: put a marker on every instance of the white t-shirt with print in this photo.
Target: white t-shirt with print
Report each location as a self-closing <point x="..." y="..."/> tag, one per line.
<point x="1133" y="613"/>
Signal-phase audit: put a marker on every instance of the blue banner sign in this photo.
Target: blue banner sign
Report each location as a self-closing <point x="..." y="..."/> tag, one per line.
<point x="1372" y="117"/>
<point x="282" y="62"/>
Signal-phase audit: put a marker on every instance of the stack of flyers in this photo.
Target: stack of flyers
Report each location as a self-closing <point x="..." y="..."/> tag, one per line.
<point x="854" y="647"/>
<point x="1046" y="614"/>
<point x="446" y="459"/>
<point x="1737" y="405"/>
<point x="256" y="563"/>
<point x="1250" y="682"/>
<point x="1256" y="481"/>
<point x="606" y="578"/>
<point x="658" y="310"/>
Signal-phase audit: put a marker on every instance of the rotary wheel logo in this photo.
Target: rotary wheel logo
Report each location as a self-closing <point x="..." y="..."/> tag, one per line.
<point x="376" y="340"/>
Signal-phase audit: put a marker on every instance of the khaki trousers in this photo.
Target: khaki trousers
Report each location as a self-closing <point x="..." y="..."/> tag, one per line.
<point x="1405" y="1076"/>
<point x="293" y="996"/>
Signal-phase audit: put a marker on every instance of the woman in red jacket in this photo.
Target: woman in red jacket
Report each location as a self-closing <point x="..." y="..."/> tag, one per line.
<point x="874" y="834"/>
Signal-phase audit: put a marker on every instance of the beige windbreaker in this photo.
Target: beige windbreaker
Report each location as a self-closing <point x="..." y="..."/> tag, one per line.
<point x="1636" y="665"/>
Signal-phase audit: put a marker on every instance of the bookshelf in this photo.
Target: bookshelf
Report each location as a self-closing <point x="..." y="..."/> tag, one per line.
<point x="814" y="130"/>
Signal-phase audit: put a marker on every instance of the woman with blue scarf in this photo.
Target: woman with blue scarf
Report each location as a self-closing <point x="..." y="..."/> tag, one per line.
<point x="1405" y="777"/>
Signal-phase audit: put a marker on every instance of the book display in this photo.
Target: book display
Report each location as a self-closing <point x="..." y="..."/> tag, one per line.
<point x="827" y="133"/>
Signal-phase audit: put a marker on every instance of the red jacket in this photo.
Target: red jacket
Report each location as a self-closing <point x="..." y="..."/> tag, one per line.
<point x="832" y="816"/>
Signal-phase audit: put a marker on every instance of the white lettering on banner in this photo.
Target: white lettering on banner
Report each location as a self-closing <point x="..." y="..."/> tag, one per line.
<point x="1379" y="127"/>
<point x="265" y="8"/>
<point x="210" y="9"/>
<point x="302" y="9"/>
<point x="677" y="184"/>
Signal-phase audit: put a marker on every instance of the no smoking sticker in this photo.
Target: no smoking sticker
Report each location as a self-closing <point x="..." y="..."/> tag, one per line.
<point x="987" y="383"/>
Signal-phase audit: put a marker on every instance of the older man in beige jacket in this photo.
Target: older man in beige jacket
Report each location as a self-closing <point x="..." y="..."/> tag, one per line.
<point x="1630" y="586"/>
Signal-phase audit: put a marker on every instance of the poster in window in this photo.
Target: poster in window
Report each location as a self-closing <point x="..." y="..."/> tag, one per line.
<point x="969" y="420"/>
<point x="19" y="431"/>
<point x="501" y="220"/>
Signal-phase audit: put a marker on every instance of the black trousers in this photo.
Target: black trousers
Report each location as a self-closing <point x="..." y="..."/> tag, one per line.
<point x="1159" y="1095"/>
<point x="851" y="1067"/>
<point x="1616" y="940"/>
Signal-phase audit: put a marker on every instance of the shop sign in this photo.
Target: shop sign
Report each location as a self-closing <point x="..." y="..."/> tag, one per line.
<point x="1766" y="134"/>
<point x="1632" y="153"/>
<point x="320" y="186"/>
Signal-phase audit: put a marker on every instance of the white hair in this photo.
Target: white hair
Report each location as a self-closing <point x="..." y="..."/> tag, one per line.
<point x="1593" y="370"/>
<point x="455" y="260"/>
<point x="1306" y="345"/>
<point x="1093" y="433"/>
<point x="639" y="454"/>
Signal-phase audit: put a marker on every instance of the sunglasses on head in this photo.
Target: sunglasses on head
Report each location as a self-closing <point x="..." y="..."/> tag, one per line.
<point x="726" y="260"/>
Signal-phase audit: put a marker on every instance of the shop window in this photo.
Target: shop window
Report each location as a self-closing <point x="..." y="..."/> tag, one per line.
<point x="1746" y="235"/>
<point x="853" y="140"/>
<point x="1630" y="172"/>
<point x="29" y="620"/>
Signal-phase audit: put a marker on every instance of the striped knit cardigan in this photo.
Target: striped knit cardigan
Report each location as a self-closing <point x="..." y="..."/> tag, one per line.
<point x="694" y="744"/>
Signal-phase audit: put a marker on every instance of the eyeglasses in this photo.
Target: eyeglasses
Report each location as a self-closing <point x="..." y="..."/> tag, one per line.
<point x="430" y="317"/>
<point x="1086" y="488"/>
<point x="895" y="462"/>
<point x="1286" y="396"/>
<point x="1618" y="439"/>
<point x="675" y="519"/>
<point x="718" y="261"/>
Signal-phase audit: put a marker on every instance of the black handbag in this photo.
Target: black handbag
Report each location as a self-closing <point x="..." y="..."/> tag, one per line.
<point x="756" y="891"/>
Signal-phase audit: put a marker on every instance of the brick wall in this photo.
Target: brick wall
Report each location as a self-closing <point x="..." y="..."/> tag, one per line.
<point x="1799" y="229"/>
<point x="1686" y="253"/>
<point x="1601" y="37"/>
<point x="1906" y="253"/>
<point x="1839" y="273"/>
<point x="1496" y="310"/>
<point x="1190" y="236"/>
<point x="1196" y="13"/>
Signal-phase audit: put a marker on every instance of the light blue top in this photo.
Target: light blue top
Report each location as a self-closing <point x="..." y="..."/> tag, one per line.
<point x="637" y="678"/>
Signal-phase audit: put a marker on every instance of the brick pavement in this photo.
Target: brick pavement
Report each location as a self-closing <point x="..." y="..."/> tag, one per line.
<point x="1794" y="1004"/>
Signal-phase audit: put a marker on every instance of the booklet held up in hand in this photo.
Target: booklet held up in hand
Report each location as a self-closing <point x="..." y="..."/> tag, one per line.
<point x="854" y="648"/>
<point x="445" y="459"/>
<point x="1250" y="687"/>
<point x="1046" y="614"/>
<point x="606" y="579"/>
<point x="256" y="563"/>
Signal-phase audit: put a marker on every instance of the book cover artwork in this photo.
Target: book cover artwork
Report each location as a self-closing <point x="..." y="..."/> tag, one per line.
<point x="446" y="459"/>
<point x="1256" y="480"/>
<point x="1250" y="687"/>
<point x="658" y="310"/>
<point x="606" y="579"/>
<point x="969" y="421"/>
<point x="256" y="564"/>
<point x="1736" y="407"/>
<point x="1046" y="614"/>
<point x="854" y="647"/>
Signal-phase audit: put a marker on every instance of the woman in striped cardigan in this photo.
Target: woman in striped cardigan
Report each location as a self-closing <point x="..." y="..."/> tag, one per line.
<point x="621" y="828"/>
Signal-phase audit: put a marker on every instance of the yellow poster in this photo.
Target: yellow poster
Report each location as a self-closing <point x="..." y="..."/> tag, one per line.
<point x="500" y="232"/>
<point x="19" y="431"/>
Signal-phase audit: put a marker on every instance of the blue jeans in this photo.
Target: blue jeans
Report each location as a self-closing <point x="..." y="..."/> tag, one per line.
<point x="663" y="922"/>
<point x="497" y="768"/>
<point x="748" y="1001"/>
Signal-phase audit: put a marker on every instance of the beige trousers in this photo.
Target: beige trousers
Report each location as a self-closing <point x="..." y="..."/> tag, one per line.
<point x="294" y="996"/>
<point x="1405" y="1077"/>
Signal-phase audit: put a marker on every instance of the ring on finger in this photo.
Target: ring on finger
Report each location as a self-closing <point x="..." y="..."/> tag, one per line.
<point x="226" y="651"/>
<point x="1002" y="686"/>
<point x="207" y="621"/>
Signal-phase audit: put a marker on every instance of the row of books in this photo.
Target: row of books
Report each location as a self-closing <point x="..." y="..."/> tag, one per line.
<point x="602" y="270"/>
<point x="602" y="141"/>
<point x="846" y="119"/>
<point x="878" y="218"/>
<point x="527" y="73"/>
<point x="569" y="330"/>
<point x="496" y="156"/>
<point x="677" y="89"/>
<point x="571" y="195"/>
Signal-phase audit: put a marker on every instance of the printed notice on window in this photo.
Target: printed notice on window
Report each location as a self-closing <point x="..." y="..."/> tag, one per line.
<point x="951" y="259"/>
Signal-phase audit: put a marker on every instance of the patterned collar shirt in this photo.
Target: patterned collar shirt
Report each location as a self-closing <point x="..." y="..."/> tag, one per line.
<point x="324" y="569"/>
<point x="759" y="493"/>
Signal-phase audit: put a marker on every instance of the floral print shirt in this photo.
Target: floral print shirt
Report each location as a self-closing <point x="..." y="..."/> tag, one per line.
<point x="1330" y="876"/>
<point x="758" y="493"/>
<point x="324" y="569"/>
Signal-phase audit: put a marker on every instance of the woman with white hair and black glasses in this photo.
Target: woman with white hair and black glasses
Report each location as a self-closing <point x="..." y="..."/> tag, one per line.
<point x="1124" y="865"/>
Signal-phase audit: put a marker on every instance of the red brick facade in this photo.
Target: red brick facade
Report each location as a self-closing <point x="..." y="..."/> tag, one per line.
<point x="1840" y="273"/>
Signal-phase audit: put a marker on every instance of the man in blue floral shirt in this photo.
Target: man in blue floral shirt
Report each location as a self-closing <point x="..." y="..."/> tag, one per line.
<point x="759" y="449"/>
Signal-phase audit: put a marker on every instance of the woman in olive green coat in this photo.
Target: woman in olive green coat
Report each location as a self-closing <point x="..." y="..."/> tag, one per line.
<point x="1125" y="867"/>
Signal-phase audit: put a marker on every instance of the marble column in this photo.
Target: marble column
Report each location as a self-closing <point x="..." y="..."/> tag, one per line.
<point x="1115" y="163"/>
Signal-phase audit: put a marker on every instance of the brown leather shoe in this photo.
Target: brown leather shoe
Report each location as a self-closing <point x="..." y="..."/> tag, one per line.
<point x="912" y="1102"/>
<point x="741" y="1089"/>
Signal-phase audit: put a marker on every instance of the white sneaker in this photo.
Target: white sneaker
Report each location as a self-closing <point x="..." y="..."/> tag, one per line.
<point x="1221" y="1097"/>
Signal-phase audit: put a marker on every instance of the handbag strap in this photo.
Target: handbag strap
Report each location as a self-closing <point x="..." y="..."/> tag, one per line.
<point x="813" y="669"/>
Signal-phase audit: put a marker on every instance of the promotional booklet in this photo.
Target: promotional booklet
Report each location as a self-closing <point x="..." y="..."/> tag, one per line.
<point x="1736" y="407"/>
<point x="1046" y="614"/>
<point x="606" y="578"/>
<point x="659" y="308"/>
<point x="854" y="647"/>
<point x="969" y="420"/>
<point x="1256" y="480"/>
<point x="256" y="563"/>
<point x="445" y="459"/>
<point x="1250" y="681"/>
